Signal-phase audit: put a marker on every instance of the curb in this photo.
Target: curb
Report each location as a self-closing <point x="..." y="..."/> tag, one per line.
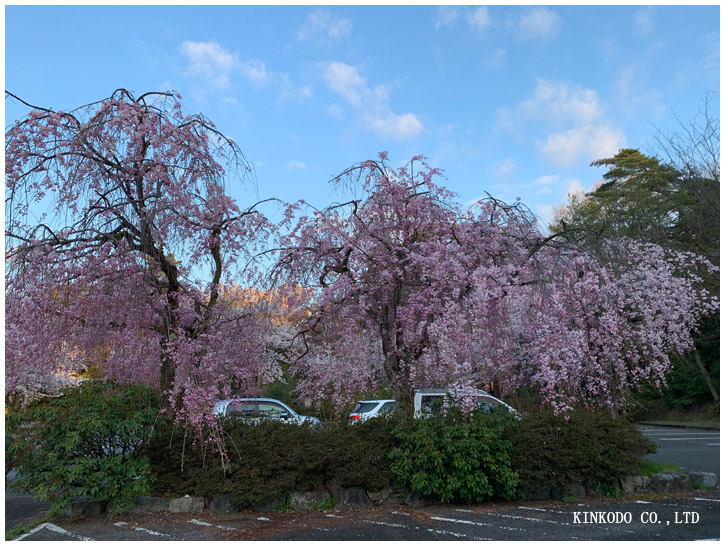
<point x="679" y="425"/>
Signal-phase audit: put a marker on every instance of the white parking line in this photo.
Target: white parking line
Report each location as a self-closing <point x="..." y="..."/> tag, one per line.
<point x="663" y="439"/>
<point x="479" y="523"/>
<point x="706" y="500"/>
<point x="544" y="510"/>
<point x="55" y="529"/>
<point x="525" y="518"/>
<point x="384" y="523"/>
<point x="143" y="530"/>
<point x="665" y="432"/>
<point x="205" y="524"/>
<point x="451" y="533"/>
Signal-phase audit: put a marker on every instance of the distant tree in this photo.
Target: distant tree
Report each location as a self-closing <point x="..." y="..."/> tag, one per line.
<point x="670" y="199"/>
<point x="642" y="198"/>
<point x="119" y="236"/>
<point x="410" y="291"/>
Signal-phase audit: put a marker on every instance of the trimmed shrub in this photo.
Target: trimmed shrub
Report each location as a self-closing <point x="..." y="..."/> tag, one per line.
<point x="452" y="458"/>
<point x="583" y="446"/>
<point x="87" y="442"/>
<point x="268" y="460"/>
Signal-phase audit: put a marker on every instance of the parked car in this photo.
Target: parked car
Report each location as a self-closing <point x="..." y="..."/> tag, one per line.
<point x="424" y="398"/>
<point x="367" y="409"/>
<point x="258" y="409"/>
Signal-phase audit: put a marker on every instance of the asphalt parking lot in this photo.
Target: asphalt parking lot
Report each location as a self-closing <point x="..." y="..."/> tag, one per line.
<point x="694" y="516"/>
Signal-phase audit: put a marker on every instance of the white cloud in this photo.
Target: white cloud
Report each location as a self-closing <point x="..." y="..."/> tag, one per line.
<point x="575" y="119"/>
<point x="711" y="60"/>
<point x="400" y="127"/>
<point x="321" y="26"/>
<point x="296" y="165"/>
<point x="371" y="104"/>
<point x="590" y="141"/>
<point x="632" y="99"/>
<point x="497" y="59"/>
<point x="335" y="110"/>
<point x="345" y="80"/>
<point x="643" y="20"/>
<point x="255" y="71"/>
<point x="545" y="180"/>
<point x="479" y="19"/>
<point x="288" y="91"/>
<point x="505" y="169"/>
<point x="574" y="187"/>
<point x="539" y="24"/>
<point x="210" y="61"/>
<point x="445" y="16"/>
<point x="215" y="67"/>
<point x="545" y="214"/>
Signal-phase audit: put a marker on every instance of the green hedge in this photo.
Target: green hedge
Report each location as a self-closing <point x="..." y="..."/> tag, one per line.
<point x="580" y="447"/>
<point x="443" y="458"/>
<point x="452" y="458"/>
<point x="89" y="441"/>
<point x="268" y="460"/>
<point x="94" y="440"/>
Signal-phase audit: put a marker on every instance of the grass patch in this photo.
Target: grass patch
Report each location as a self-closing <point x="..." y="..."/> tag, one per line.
<point x="22" y="528"/>
<point x="650" y="468"/>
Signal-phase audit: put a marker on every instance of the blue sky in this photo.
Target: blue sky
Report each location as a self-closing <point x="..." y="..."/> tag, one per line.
<point x="516" y="101"/>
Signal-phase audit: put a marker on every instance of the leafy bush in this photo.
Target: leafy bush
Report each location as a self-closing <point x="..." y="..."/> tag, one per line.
<point x="581" y="447"/>
<point x="449" y="457"/>
<point x="268" y="460"/>
<point x="89" y="441"/>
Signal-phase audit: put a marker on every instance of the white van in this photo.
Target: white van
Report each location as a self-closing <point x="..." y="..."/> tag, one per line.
<point x="424" y="398"/>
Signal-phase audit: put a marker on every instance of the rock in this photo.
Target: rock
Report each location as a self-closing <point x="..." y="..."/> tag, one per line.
<point x="221" y="504"/>
<point x="634" y="484"/>
<point x="539" y="492"/>
<point x="350" y="498"/>
<point x="557" y="492"/>
<point x="84" y="508"/>
<point x="575" y="490"/>
<point x="269" y="505"/>
<point x="187" y="504"/>
<point x="144" y="503"/>
<point x="670" y="482"/>
<point x="560" y="492"/>
<point x="415" y="500"/>
<point x="380" y="497"/>
<point x="308" y="500"/>
<point x="706" y="480"/>
<point x="388" y="496"/>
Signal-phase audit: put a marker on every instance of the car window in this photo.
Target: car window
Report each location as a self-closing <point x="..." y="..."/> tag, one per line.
<point x="427" y="401"/>
<point x="270" y="409"/>
<point x="237" y="408"/>
<point x="388" y="407"/>
<point x="365" y="407"/>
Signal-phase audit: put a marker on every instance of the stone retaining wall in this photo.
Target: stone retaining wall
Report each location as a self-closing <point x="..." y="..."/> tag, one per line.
<point x="665" y="482"/>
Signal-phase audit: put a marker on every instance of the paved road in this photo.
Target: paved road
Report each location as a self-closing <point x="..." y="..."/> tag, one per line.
<point x="692" y="517"/>
<point x="693" y="449"/>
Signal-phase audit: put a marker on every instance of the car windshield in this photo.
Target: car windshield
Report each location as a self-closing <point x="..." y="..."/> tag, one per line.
<point x="365" y="407"/>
